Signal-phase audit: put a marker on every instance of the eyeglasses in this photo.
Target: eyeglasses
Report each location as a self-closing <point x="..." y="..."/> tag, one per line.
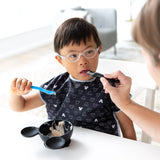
<point x="75" y="56"/>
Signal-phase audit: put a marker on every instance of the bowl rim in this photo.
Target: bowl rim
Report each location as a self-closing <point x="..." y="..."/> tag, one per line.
<point x="49" y="121"/>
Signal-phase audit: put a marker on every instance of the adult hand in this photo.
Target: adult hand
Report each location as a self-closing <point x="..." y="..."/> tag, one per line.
<point x="120" y="94"/>
<point x="21" y="86"/>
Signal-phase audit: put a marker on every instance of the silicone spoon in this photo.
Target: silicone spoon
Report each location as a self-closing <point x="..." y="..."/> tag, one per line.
<point x="44" y="90"/>
<point x="95" y="74"/>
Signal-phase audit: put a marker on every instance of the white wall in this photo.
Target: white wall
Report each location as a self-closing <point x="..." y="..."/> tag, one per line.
<point x="18" y="16"/>
<point x="25" y="24"/>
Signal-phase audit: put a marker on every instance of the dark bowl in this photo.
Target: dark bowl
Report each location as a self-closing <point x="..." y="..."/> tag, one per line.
<point x="44" y="130"/>
<point x="53" y="142"/>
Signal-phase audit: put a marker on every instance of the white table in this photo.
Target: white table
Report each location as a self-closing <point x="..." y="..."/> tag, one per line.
<point x="85" y="145"/>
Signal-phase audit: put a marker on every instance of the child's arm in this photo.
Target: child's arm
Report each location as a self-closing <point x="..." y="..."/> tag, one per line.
<point x="19" y="101"/>
<point x="126" y="126"/>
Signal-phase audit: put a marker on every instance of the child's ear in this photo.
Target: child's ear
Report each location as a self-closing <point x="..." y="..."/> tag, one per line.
<point x="100" y="49"/>
<point x="59" y="59"/>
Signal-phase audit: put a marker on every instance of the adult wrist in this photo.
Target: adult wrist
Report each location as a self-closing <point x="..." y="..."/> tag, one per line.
<point x="126" y="106"/>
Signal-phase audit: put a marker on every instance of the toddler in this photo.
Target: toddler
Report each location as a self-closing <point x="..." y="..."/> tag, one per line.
<point x="79" y="98"/>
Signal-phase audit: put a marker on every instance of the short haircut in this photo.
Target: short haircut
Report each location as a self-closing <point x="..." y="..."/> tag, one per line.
<point x="75" y="30"/>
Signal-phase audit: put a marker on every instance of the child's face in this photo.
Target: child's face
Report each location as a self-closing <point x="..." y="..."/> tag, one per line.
<point x="78" y="69"/>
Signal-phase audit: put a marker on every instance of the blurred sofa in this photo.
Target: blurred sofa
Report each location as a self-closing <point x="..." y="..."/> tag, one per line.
<point x="105" y="21"/>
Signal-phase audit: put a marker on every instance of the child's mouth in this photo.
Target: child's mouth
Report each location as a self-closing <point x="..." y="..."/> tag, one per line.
<point x="84" y="72"/>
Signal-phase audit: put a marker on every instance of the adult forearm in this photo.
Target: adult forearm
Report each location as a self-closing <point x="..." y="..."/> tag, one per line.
<point x="147" y="120"/>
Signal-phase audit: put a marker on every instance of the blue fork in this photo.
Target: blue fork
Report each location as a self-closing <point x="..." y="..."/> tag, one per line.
<point x="44" y="90"/>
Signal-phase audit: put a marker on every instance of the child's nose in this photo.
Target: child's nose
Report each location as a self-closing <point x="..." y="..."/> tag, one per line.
<point x="82" y="60"/>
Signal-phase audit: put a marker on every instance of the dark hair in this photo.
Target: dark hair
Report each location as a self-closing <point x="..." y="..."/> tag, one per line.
<point x="73" y="31"/>
<point x="146" y="29"/>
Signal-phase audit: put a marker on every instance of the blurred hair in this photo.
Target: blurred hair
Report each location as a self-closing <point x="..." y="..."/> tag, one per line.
<point x="74" y="30"/>
<point x="146" y="29"/>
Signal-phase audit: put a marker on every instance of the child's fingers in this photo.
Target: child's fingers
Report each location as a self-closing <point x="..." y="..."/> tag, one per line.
<point x="28" y="86"/>
<point x="23" y="84"/>
<point x="18" y="83"/>
<point x="13" y="84"/>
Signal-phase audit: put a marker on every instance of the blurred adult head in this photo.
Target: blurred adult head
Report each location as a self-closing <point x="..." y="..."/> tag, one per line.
<point x="146" y="32"/>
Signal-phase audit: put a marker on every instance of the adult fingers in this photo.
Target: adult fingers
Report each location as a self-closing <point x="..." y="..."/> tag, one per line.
<point x="120" y="76"/>
<point x="106" y="85"/>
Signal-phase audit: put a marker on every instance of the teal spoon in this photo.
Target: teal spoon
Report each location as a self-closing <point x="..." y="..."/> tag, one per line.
<point x="44" y="90"/>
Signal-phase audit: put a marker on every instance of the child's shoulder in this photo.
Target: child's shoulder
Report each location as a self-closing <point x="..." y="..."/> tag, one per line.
<point x="61" y="76"/>
<point x="56" y="80"/>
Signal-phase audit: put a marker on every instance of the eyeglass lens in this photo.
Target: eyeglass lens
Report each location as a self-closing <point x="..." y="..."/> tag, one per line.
<point x="89" y="53"/>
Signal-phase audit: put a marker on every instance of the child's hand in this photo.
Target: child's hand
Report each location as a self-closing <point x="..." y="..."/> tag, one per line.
<point x="21" y="86"/>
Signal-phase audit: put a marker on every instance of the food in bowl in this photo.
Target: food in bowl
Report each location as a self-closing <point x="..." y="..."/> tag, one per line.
<point x="57" y="130"/>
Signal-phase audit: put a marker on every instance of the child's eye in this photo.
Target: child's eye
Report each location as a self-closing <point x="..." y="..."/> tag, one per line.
<point x="73" y="55"/>
<point x="90" y="52"/>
